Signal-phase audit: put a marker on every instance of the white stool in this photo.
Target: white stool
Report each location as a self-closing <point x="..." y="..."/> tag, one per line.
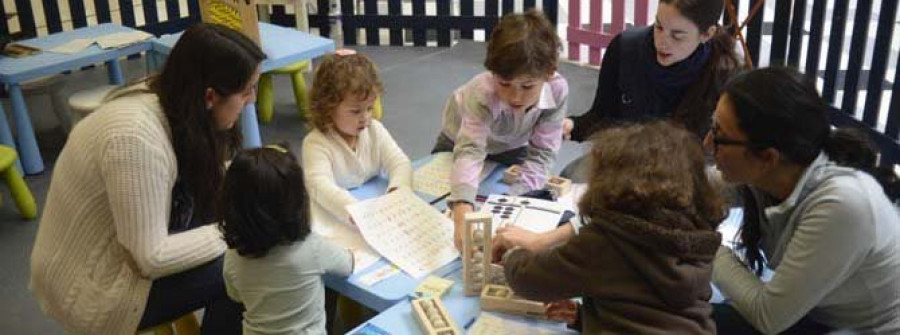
<point x="83" y="103"/>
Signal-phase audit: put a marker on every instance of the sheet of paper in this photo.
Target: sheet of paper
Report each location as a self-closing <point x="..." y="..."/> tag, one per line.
<point x="434" y="177"/>
<point x="73" y="46"/>
<point x="379" y="274"/>
<point x="118" y="40"/>
<point x="730" y="227"/>
<point x="363" y="257"/>
<point x="570" y="199"/>
<point x="532" y="214"/>
<point x="406" y="231"/>
<point x="489" y="324"/>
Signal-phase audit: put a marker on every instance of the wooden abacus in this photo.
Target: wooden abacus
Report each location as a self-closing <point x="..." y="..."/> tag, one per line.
<point x="499" y="298"/>
<point x="476" y="256"/>
<point x="558" y="185"/>
<point x="496" y="275"/>
<point x="512" y="174"/>
<point x="433" y="317"/>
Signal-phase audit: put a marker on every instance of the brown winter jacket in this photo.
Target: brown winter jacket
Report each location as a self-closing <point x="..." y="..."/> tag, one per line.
<point x="635" y="275"/>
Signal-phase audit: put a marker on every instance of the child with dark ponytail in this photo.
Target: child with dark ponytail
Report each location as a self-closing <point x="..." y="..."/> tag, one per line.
<point x="813" y="214"/>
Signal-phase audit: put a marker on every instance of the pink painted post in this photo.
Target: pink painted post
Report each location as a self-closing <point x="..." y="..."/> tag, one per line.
<point x="593" y="34"/>
<point x="574" y="24"/>
<point x="596" y="25"/>
<point x="640" y="12"/>
<point x="618" y="17"/>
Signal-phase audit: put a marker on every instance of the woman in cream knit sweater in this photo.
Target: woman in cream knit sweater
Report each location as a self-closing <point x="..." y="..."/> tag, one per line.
<point x="124" y="241"/>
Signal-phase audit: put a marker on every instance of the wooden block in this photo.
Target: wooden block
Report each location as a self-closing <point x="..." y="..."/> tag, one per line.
<point x="433" y="318"/>
<point x="512" y="174"/>
<point x="476" y="255"/>
<point x="497" y="275"/>
<point x="499" y="298"/>
<point x="559" y="185"/>
<point x="433" y="287"/>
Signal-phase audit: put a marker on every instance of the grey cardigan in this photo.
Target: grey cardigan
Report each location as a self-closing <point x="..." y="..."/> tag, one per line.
<point x="834" y="246"/>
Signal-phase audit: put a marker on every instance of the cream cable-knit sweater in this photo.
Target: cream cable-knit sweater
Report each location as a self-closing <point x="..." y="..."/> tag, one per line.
<point x="103" y="235"/>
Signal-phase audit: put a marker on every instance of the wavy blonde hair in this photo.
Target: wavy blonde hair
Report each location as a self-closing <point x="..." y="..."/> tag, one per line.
<point x="338" y="77"/>
<point x="651" y="168"/>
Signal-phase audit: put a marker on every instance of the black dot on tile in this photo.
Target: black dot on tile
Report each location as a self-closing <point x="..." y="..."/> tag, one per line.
<point x="504" y="216"/>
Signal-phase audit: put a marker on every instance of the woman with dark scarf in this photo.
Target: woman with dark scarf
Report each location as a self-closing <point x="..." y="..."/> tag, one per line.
<point x="674" y="70"/>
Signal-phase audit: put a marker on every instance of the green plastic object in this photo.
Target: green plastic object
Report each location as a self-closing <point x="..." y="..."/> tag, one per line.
<point x="17" y="187"/>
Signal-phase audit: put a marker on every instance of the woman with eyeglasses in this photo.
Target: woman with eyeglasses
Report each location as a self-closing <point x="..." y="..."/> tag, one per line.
<point x="813" y="214"/>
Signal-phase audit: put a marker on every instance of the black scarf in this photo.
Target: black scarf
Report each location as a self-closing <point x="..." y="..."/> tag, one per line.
<point x="671" y="82"/>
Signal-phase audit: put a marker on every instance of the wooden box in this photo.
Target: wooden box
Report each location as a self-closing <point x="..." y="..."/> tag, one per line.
<point x="476" y="253"/>
<point x="499" y="298"/>
<point x="512" y="175"/>
<point x="433" y="318"/>
<point x="559" y="185"/>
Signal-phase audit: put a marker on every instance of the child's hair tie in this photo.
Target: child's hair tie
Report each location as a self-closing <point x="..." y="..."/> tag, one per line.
<point x="344" y="52"/>
<point x="276" y="147"/>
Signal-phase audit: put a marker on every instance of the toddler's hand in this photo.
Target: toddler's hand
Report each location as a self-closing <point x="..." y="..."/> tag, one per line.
<point x="567" y="128"/>
<point x="563" y="310"/>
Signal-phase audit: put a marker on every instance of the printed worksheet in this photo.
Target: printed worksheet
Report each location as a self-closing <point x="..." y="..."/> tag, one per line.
<point x="433" y="178"/>
<point x="406" y="231"/>
<point x="527" y="213"/>
<point x="490" y="324"/>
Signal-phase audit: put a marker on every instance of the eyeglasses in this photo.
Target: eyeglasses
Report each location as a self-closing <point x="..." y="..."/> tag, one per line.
<point x="719" y="140"/>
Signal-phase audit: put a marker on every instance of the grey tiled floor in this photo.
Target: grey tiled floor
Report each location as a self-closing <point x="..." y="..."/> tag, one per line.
<point x="417" y="81"/>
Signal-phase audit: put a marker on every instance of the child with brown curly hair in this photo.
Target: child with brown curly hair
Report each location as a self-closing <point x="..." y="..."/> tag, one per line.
<point x="643" y="261"/>
<point x="347" y="147"/>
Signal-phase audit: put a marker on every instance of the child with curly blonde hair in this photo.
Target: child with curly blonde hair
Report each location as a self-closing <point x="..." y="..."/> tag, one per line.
<point x="347" y="147"/>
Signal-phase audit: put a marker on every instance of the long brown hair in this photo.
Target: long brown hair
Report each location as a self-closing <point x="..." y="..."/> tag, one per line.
<point x="700" y="99"/>
<point x="644" y="169"/>
<point x="206" y="56"/>
<point x="780" y="108"/>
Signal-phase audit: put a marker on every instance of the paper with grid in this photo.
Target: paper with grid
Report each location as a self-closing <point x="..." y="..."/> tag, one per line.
<point x="433" y="178"/>
<point x="406" y="231"/>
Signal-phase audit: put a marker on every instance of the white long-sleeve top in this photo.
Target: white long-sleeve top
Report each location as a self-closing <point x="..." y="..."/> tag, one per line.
<point x="834" y="247"/>
<point x="103" y="235"/>
<point x="331" y="168"/>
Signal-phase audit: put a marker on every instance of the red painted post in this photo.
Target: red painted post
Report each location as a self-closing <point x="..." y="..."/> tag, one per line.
<point x="574" y="25"/>
<point x="640" y="12"/>
<point x="618" y="17"/>
<point x="596" y="25"/>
